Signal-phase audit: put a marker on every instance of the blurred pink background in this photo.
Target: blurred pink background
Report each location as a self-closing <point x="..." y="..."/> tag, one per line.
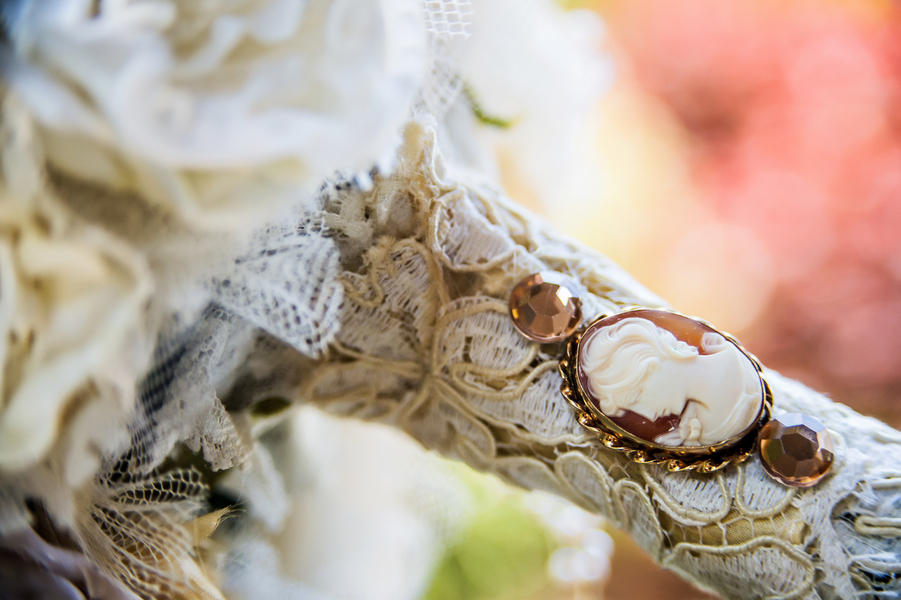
<point x="791" y="113"/>
<point x="750" y="154"/>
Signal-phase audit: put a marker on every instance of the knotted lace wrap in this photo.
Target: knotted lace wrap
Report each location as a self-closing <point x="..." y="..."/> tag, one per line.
<point x="428" y="259"/>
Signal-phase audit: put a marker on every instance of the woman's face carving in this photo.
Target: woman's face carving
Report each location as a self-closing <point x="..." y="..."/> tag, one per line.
<point x="635" y="366"/>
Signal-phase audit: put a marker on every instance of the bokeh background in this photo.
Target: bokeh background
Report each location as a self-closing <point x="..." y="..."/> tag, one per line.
<point x="753" y="149"/>
<point x="742" y="159"/>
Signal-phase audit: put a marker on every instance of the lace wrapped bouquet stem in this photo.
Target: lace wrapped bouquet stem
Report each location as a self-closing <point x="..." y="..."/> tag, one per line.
<point x="426" y="345"/>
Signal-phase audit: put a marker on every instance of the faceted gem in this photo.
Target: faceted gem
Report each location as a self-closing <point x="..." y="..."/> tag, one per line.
<point x="668" y="379"/>
<point x="796" y="449"/>
<point x="544" y="307"/>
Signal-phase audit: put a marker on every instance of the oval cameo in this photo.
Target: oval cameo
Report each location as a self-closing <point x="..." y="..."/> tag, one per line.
<point x="668" y="379"/>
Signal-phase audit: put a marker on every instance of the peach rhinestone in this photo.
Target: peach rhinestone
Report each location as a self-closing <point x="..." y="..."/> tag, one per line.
<point x="544" y="307"/>
<point x="795" y="449"/>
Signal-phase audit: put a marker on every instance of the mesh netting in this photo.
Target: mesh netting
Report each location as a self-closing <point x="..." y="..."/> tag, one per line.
<point x="142" y="530"/>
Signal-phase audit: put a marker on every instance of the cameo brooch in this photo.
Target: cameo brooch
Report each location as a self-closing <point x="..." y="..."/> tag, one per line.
<point x="668" y="389"/>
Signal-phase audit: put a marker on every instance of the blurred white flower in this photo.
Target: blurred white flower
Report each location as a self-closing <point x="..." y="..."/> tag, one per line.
<point x="224" y="111"/>
<point x="71" y="302"/>
<point x="145" y="141"/>
<point x="543" y="70"/>
<point x="586" y="549"/>
<point x="569" y="565"/>
<point x="370" y="511"/>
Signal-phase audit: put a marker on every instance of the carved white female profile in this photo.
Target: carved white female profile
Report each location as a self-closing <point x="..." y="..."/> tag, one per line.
<point x="704" y="394"/>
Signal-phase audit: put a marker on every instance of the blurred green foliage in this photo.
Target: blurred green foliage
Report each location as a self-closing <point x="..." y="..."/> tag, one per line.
<point x="502" y="555"/>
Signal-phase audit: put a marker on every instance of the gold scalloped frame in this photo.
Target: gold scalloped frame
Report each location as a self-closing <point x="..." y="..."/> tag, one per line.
<point x="704" y="459"/>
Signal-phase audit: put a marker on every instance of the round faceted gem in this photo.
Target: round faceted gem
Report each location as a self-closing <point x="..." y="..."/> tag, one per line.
<point x="796" y="449"/>
<point x="544" y="307"/>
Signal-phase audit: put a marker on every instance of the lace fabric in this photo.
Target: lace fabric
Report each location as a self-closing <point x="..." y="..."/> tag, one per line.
<point x="214" y="289"/>
<point x="426" y="344"/>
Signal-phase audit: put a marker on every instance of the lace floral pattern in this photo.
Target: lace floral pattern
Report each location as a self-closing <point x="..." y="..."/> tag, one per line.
<point x="426" y="344"/>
